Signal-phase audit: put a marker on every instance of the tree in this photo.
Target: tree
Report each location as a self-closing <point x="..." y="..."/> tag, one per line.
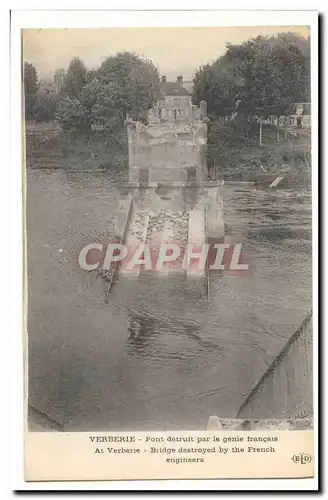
<point x="31" y="85"/>
<point x="123" y="84"/>
<point x="101" y="106"/>
<point x="260" y="77"/>
<point x="45" y="107"/>
<point x="133" y="84"/>
<point x="74" y="79"/>
<point x="91" y="75"/>
<point x="31" y="82"/>
<point x="219" y="85"/>
<point x="70" y="114"/>
<point x="266" y="75"/>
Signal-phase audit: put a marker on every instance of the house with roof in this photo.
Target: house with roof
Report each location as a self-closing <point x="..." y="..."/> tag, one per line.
<point x="188" y="85"/>
<point x="174" y="101"/>
<point x="171" y="146"/>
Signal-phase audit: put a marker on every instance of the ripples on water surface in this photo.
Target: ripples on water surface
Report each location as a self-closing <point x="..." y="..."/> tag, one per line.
<point x="158" y="356"/>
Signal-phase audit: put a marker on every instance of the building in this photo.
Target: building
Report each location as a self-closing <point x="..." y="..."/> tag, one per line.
<point x="188" y="85"/>
<point x="300" y="116"/>
<point x="171" y="147"/>
<point x="174" y="101"/>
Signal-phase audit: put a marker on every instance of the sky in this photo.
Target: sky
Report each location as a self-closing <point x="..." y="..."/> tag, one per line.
<point x="174" y="51"/>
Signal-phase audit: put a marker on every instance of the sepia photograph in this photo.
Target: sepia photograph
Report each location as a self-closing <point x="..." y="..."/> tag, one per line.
<point x="168" y="218"/>
<point x="134" y="147"/>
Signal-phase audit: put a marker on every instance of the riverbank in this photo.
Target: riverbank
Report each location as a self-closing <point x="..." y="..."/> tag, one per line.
<point x="53" y="149"/>
<point x="264" y="181"/>
<point x="50" y="149"/>
<point x="232" y="156"/>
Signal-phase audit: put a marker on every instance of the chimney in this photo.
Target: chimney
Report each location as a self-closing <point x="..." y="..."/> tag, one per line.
<point x="163" y="79"/>
<point x="179" y="81"/>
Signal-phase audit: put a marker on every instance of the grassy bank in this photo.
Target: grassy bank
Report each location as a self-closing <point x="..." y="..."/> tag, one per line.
<point x="53" y="148"/>
<point x="231" y="154"/>
<point x="234" y="154"/>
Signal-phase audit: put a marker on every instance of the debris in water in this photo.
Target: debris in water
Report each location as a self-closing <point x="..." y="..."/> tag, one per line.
<point x="276" y="182"/>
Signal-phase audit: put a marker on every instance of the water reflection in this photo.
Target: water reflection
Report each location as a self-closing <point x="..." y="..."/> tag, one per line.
<point x="141" y="331"/>
<point x="272" y="233"/>
<point x="144" y="330"/>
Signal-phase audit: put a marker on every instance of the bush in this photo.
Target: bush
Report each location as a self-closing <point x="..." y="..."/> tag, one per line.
<point x="232" y="149"/>
<point x="70" y="114"/>
<point x="45" y="107"/>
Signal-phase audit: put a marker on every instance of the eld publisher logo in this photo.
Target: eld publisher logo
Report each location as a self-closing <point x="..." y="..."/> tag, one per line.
<point x="302" y="458"/>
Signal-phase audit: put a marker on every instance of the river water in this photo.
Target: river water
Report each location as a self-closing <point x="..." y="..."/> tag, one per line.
<point x="158" y="355"/>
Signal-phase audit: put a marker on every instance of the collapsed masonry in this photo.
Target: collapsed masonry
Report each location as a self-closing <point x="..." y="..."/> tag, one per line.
<point x="171" y="147"/>
<point x="170" y="199"/>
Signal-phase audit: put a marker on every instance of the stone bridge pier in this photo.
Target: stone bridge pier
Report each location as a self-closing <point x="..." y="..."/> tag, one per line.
<point x="170" y="199"/>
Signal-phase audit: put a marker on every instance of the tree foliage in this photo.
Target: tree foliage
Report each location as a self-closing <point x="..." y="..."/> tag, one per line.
<point x="31" y="85"/>
<point x="262" y="76"/>
<point x="134" y="83"/>
<point x="31" y="81"/>
<point x="70" y="113"/>
<point x="74" y="79"/>
<point x="123" y="84"/>
<point x="45" y="107"/>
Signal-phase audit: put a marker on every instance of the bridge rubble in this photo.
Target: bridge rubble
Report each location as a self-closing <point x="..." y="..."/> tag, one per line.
<point x="170" y="199"/>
